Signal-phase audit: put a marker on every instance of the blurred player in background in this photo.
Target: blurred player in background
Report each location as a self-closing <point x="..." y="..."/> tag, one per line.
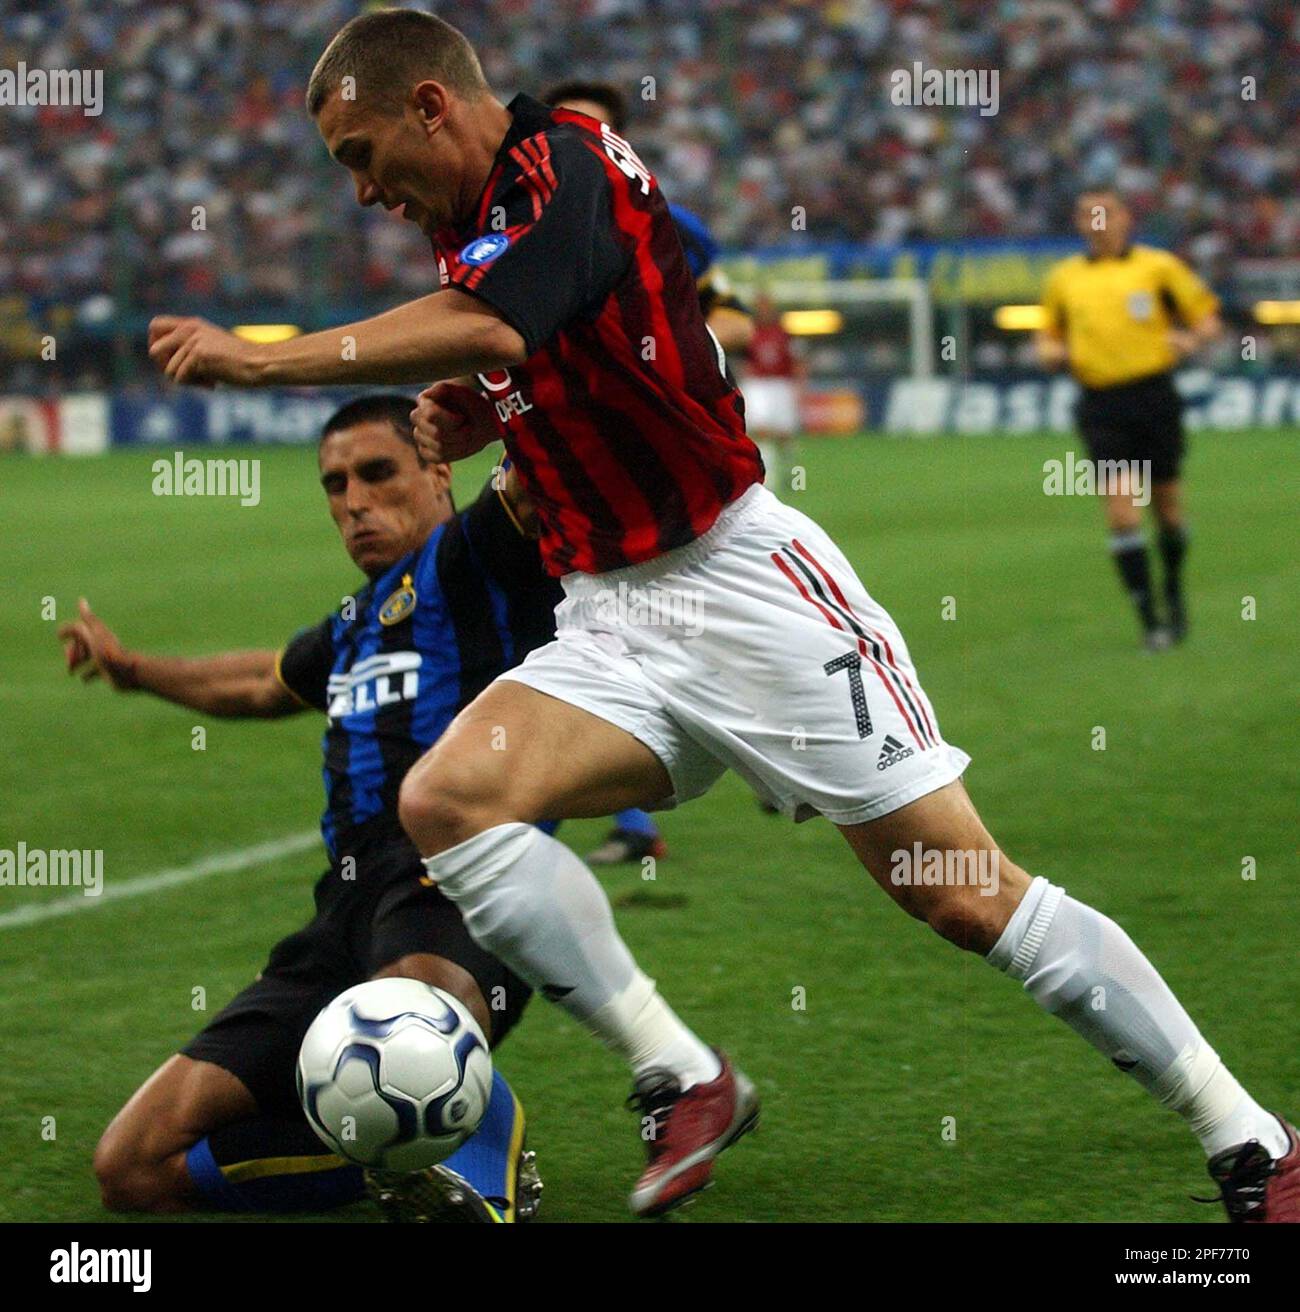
<point x="452" y="599"/>
<point x="635" y="834"/>
<point x="1121" y="318"/>
<point x="772" y="376"/>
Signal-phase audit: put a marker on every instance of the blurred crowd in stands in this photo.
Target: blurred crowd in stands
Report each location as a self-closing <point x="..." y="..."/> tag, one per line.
<point x="744" y="109"/>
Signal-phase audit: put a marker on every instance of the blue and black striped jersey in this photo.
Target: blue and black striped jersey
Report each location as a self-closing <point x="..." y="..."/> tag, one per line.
<point x="396" y="663"/>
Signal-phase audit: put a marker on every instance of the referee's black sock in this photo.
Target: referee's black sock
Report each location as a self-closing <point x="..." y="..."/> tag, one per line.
<point x="1173" y="547"/>
<point x="1130" y="551"/>
<point x="271" y="1164"/>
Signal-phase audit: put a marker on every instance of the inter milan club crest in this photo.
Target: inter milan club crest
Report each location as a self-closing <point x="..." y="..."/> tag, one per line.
<point x="400" y="604"/>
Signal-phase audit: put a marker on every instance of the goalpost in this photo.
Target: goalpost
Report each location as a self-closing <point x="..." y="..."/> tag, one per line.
<point x="860" y="302"/>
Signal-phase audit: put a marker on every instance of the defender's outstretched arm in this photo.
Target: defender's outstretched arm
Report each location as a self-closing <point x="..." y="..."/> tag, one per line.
<point x="235" y="683"/>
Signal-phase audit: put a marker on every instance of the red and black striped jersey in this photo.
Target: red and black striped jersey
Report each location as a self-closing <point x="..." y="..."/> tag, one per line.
<point x="626" y="429"/>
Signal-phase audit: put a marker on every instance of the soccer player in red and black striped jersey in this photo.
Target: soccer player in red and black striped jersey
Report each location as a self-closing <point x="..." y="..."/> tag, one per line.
<point x="643" y="440"/>
<point x="705" y="625"/>
<point x="635" y="834"/>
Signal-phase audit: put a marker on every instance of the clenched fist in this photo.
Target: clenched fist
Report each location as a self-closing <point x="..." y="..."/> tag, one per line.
<point x="196" y="351"/>
<point x="453" y="421"/>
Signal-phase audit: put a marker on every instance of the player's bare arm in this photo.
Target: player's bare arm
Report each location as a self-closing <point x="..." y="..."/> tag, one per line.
<point x="733" y="328"/>
<point x="1188" y="341"/>
<point x="1051" y="350"/>
<point x="442" y="335"/>
<point x="232" y="684"/>
<point x="427" y="149"/>
<point x="522" y="508"/>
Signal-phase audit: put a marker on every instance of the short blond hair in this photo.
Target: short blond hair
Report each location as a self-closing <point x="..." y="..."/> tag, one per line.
<point x="389" y="51"/>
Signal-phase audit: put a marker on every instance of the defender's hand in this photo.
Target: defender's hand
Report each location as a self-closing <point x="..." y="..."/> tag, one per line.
<point x="452" y="421"/>
<point x="92" y="650"/>
<point x="198" y="352"/>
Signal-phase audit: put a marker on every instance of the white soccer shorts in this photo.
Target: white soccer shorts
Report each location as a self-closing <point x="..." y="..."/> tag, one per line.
<point x="754" y="648"/>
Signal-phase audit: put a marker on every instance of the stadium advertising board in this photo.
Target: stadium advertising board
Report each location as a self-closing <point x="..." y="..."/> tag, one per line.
<point x="88" y="423"/>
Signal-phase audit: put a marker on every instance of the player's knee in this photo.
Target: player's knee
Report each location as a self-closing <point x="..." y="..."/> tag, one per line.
<point x="128" y="1182"/>
<point x="443" y="801"/>
<point x="446" y="975"/>
<point x="971" y="917"/>
<point x="435" y="810"/>
<point x="962" y="921"/>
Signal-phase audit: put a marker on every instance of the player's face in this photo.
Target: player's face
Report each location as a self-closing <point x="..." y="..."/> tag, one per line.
<point x="396" y="158"/>
<point x="1103" y="221"/>
<point x="383" y="501"/>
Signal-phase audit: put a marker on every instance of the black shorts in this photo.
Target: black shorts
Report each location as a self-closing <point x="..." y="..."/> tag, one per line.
<point x="1142" y="420"/>
<point x="360" y="926"/>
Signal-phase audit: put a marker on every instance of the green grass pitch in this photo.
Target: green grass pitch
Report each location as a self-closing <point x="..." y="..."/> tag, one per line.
<point x="899" y="1031"/>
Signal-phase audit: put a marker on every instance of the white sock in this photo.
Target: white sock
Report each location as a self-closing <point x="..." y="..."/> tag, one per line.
<point x="1084" y="968"/>
<point x="530" y="901"/>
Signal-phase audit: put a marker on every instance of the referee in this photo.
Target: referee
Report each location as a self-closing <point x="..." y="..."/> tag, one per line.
<point x="1122" y="317"/>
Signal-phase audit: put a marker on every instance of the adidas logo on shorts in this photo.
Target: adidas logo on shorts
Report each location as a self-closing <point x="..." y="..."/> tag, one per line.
<point x="892" y="751"/>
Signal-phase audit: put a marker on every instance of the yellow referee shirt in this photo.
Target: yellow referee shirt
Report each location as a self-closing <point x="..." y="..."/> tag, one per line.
<point x="1115" y="312"/>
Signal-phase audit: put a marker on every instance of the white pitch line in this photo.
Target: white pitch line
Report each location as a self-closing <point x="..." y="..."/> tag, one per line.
<point x="221" y="863"/>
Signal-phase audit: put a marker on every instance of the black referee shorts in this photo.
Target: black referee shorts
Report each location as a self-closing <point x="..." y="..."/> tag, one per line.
<point x="360" y="926"/>
<point x="1142" y="420"/>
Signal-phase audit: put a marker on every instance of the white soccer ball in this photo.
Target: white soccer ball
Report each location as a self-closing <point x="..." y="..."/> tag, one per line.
<point x="394" y="1074"/>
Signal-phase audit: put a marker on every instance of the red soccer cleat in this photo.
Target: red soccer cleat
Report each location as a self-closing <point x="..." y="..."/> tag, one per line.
<point x="1257" y="1188"/>
<point x="686" y="1132"/>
